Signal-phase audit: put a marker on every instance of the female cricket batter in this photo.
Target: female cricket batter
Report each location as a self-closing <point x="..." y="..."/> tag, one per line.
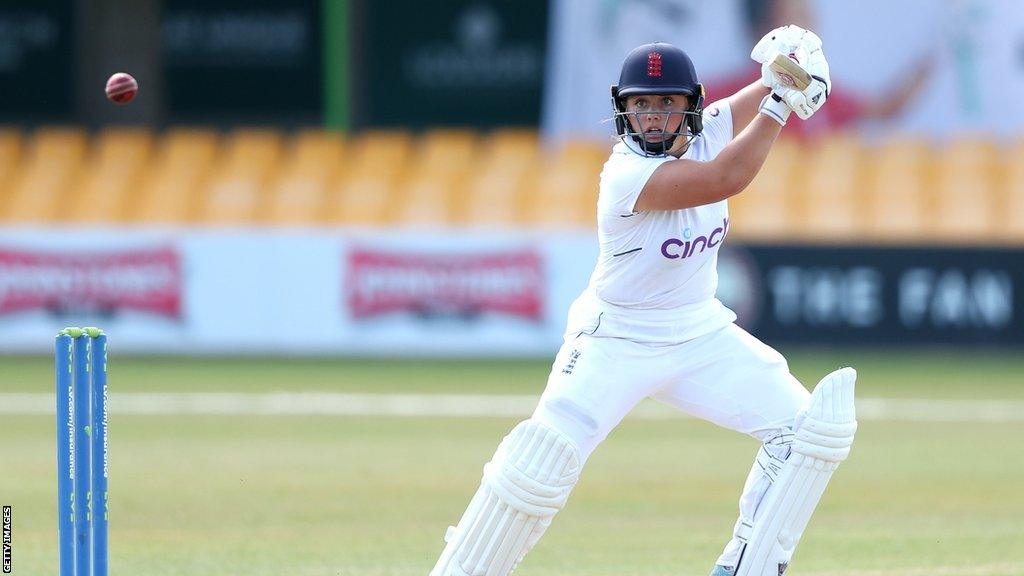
<point x="649" y="325"/>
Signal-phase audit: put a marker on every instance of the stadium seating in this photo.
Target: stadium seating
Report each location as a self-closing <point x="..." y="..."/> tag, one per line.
<point x="10" y="155"/>
<point x="366" y="193"/>
<point x="237" y="193"/>
<point x="434" y="192"/>
<point x="1011" y="225"/>
<point x="565" y="193"/>
<point x="299" y="194"/>
<point x="965" y="192"/>
<point x="40" y="189"/>
<point x="898" y="178"/>
<point x="109" y="179"/>
<point x="765" y="211"/>
<point x="170" y="192"/>
<point x="508" y="166"/>
<point x="829" y="199"/>
<point x="900" y="189"/>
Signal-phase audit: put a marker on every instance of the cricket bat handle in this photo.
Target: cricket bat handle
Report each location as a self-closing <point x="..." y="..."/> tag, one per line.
<point x="789" y="72"/>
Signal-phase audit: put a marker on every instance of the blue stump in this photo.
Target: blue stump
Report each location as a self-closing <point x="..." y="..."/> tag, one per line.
<point x="65" y="456"/>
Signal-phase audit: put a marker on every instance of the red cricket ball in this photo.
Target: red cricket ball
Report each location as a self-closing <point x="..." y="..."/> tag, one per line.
<point x="121" y="88"/>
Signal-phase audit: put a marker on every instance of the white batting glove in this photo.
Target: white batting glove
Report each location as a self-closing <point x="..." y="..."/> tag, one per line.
<point x="808" y="101"/>
<point x="804" y="48"/>
<point x="774" y="107"/>
<point x="785" y="39"/>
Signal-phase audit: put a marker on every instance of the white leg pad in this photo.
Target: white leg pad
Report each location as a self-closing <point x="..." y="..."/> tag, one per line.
<point x="526" y="483"/>
<point x="824" y="434"/>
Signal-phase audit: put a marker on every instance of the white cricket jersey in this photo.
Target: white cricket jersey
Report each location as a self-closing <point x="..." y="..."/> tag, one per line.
<point x="656" y="274"/>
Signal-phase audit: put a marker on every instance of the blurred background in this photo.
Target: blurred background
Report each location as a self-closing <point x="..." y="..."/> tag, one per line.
<point x="370" y="179"/>
<point x="333" y="243"/>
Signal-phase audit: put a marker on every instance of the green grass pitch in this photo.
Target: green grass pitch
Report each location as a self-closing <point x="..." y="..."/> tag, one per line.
<point x="372" y="496"/>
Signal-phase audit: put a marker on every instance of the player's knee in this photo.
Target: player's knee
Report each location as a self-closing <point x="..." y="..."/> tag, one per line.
<point x="823" y="440"/>
<point x="828" y="422"/>
<point x="566" y="410"/>
<point x="534" y="469"/>
<point x="574" y="420"/>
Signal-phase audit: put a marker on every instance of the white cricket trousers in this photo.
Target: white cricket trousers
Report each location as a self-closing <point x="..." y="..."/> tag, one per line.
<point x="727" y="377"/>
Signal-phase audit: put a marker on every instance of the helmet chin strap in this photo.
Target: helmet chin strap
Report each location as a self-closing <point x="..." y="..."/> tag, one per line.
<point x="658" y="148"/>
<point x="674" y="146"/>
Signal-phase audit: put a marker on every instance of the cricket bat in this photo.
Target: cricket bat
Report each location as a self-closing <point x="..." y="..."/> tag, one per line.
<point x="789" y="72"/>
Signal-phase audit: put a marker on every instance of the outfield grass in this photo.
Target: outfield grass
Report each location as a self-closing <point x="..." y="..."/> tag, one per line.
<point x="938" y="373"/>
<point x="318" y="495"/>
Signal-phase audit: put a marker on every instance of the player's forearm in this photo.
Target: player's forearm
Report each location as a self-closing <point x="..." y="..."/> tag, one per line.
<point x="743" y="158"/>
<point x="744" y="104"/>
<point x="687" y="183"/>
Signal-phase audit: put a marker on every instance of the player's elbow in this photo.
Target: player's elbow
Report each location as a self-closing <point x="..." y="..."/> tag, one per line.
<point x="725" y="182"/>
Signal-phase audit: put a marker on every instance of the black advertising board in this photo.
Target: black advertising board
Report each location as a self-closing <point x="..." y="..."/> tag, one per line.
<point x="477" y="63"/>
<point x="876" y="295"/>
<point x="237" y="60"/>
<point x="36" y="60"/>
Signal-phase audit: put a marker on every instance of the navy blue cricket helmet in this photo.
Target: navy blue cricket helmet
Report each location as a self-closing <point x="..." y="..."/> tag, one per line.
<point x="658" y="68"/>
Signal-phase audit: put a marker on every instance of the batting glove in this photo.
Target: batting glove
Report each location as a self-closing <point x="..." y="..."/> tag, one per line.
<point x="809" y="100"/>
<point x="785" y="39"/>
<point x="803" y="47"/>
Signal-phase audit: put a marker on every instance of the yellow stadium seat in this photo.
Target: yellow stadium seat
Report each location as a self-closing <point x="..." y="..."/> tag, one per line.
<point x="496" y="196"/>
<point x="111" y="176"/>
<point x="10" y="159"/>
<point x="585" y="152"/>
<point x="236" y="193"/>
<point x="446" y="145"/>
<point x="498" y="190"/>
<point x="299" y="195"/>
<point x="430" y="198"/>
<point x="363" y="199"/>
<point x="298" y="199"/>
<point x="765" y="209"/>
<point x="561" y="198"/>
<point x="54" y="161"/>
<point x="10" y="151"/>
<point x="382" y="150"/>
<point x="434" y="194"/>
<point x="1012" y="222"/>
<point x="511" y="145"/>
<point x="565" y="194"/>
<point x="169" y="192"/>
<point x="248" y="146"/>
<point x="366" y="194"/>
<point x="831" y="208"/>
<point x="898" y="179"/>
<point x="966" y="196"/>
<point x="315" y="150"/>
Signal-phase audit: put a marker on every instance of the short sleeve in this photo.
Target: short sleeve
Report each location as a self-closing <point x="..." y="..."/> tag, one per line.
<point x="717" y="126"/>
<point x="623" y="178"/>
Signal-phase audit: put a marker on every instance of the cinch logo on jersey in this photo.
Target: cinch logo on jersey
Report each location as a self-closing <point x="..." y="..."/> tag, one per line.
<point x="685" y="247"/>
